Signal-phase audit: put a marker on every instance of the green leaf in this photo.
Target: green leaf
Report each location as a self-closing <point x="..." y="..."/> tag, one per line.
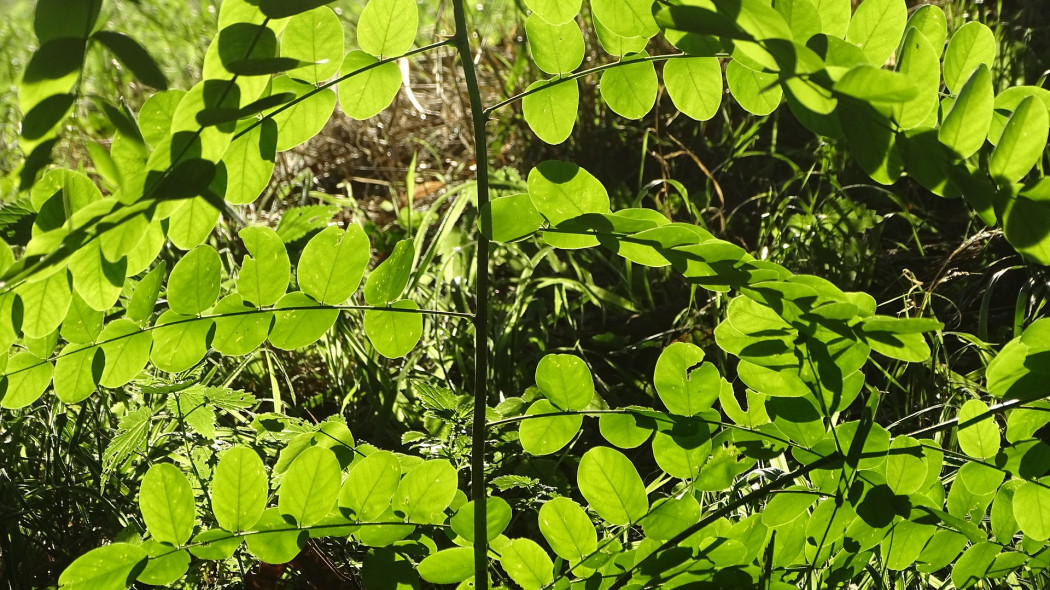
<point x="310" y="487"/>
<point x="568" y="530"/>
<point x="190" y="224"/>
<point x="610" y="483"/>
<point x="670" y="517"/>
<point x="155" y="116"/>
<point x="134" y="57"/>
<point x="301" y="122"/>
<point x="316" y="37"/>
<point x="757" y="92"/>
<point x="239" y="490"/>
<point x="214" y="544"/>
<point x="448" y="566"/>
<point x="111" y="567"/>
<point x="873" y="84"/>
<point x="565" y="380"/>
<point x="630" y="90"/>
<point x="627" y="18"/>
<point x="25" y="379"/>
<point x="695" y="86"/>
<point x="277" y="541"/>
<point x="877" y="27"/>
<point x="1031" y="508"/>
<point x="556" y="12"/>
<point x="527" y="564"/>
<point x="126" y="348"/>
<point x="973" y="565"/>
<point x="1025" y="221"/>
<point x="179" y="342"/>
<point x="929" y="20"/>
<point x="242" y="330"/>
<point x="562" y="190"/>
<point x="166" y="501"/>
<point x="387" y="28"/>
<point x="684" y="385"/>
<point x="426" y="491"/>
<point x="498" y="517"/>
<point x="96" y="280"/>
<point x="551" y="111"/>
<point x="507" y="219"/>
<point x="614" y="44"/>
<point x="77" y="372"/>
<point x="301" y="326"/>
<point x="967" y="123"/>
<point x="266" y="271"/>
<point x="543" y="436"/>
<point x="918" y="62"/>
<point x="972" y="44"/>
<point x="556" y="49"/>
<point x="370" y="485"/>
<point x="626" y="431"/>
<point x="144" y="297"/>
<point x="978" y="438"/>
<point x="332" y="264"/>
<point x="249" y="159"/>
<point x="166" y="563"/>
<point x="388" y="281"/>
<point x="394" y="333"/>
<point x="44" y="304"/>
<point x="905" y="466"/>
<point x="1022" y="143"/>
<point x="367" y="93"/>
<point x="682" y="454"/>
<point x="193" y="285"/>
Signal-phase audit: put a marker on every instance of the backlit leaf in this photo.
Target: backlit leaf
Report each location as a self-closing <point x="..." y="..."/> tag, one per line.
<point x="239" y="489"/>
<point x="543" y="436"/>
<point x="498" y="517"/>
<point x="388" y="281"/>
<point x="556" y="49"/>
<point x="387" y="28"/>
<point x="25" y="379"/>
<point x="695" y="85"/>
<point x="126" y="348"/>
<point x="278" y="541"/>
<point x="44" y="304"/>
<point x="1022" y="143"/>
<point x="565" y="380"/>
<point x="610" y="483"/>
<point x="166" y="501"/>
<point x="265" y="271"/>
<point x="971" y="45"/>
<point x="758" y="92"/>
<point x="300" y="326"/>
<point x="179" y="342"/>
<point x="110" y="567"/>
<point x="301" y="122"/>
<point x="627" y="18"/>
<point x="568" y="529"/>
<point x="877" y="27"/>
<point x="426" y="491"/>
<point x="314" y="36"/>
<point x="552" y="109"/>
<point x="448" y="566"/>
<point x="332" y="264"/>
<point x="366" y="93"/>
<point x="966" y="125"/>
<point x="556" y="12"/>
<point x="394" y="333"/>
<point x="310" y="486"/>
<point x="978" y="433"/>
<point x="370" y="485"/>
<point x="193" y="285"/>
<point x="527" y="564"/>
<point x="630" y="90"/>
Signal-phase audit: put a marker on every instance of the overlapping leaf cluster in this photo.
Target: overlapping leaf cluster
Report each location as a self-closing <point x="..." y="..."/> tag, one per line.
<point x="86" y="305"/>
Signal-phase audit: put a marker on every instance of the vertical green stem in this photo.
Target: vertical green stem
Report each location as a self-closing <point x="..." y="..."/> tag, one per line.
<point x="478" y="434"/>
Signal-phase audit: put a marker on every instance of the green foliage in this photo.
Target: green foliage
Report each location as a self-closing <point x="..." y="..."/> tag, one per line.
<point x="803" y="487"/>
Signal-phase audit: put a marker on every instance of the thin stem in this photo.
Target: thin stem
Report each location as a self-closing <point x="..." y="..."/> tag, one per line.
<point x="580" y="74"/>
<point x="454" y="314"/>
<point x="478" y="116"/>
<point x="331" y="83"/>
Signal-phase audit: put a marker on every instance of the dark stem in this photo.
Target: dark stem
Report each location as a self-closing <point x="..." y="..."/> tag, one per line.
<point x="478" y="431"/>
